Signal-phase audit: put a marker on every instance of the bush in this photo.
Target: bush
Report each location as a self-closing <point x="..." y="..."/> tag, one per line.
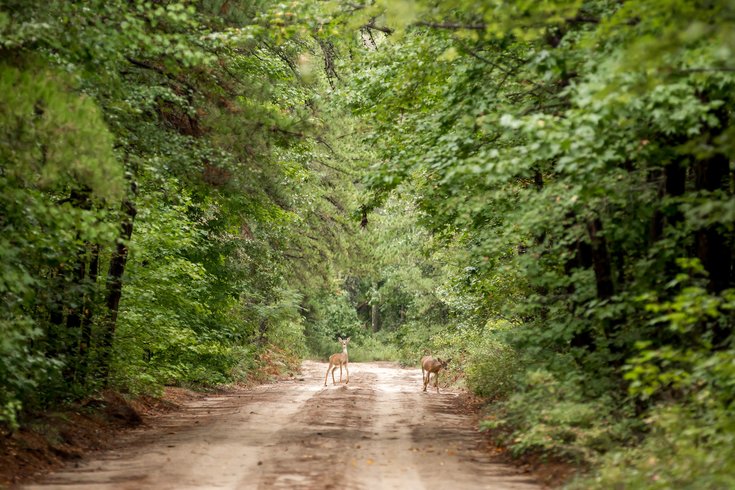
<point x="374" y="348"/>
<point x="488" y="378"/>
<point x="479" y="356"/>
<point x="689" y="446"/>
<point x="549" y="415"/>
<point x="414" y="340"/>
<point x="490" y="368"/>
<point x="21" y="370"/>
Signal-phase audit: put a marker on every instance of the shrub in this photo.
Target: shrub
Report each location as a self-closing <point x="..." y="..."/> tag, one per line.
<point x="490" y="368"/>
<point x="549" y="415"/>
<point x="689" y="446"/>
<point x="374" y="348"/>
<point x="479" y="356"/>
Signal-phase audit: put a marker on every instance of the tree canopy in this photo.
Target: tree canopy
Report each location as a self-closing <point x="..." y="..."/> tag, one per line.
<point x="169" y="194"/>
<point x="541" y="190"/>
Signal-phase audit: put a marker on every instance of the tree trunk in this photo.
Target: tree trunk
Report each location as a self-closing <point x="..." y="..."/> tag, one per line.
<point x="538" y="179"/>
<point x="262" y="332"/>
<point x="674" y="185"/>
<point x="375" y="317"/>
<point x="114" y="286"/>
<point x="580" y="258"/>
<point x="656" y="230"/>
<point x="79" y="198"/>
<point x="75" y="304"/>
<point x="675" y="174"/>
<point x="713" y="247"/>
<point x="54" y="334"/>
<point x="601" y="263"/>
<point x="89" y="301"/>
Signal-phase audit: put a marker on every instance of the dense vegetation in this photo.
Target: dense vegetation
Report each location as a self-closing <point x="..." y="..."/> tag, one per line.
<point x="169" y="196"/>
<point x="571" y="166"/>
<point x="542" y="191"/>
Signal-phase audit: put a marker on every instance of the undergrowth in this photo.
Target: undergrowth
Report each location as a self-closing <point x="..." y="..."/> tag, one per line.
<point x="688" y="446"/>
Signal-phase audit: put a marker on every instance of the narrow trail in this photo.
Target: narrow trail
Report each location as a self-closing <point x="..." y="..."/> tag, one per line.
<point x="379" y="432"/>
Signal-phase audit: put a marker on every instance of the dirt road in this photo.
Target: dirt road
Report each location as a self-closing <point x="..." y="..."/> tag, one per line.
<point x="379" y="432"/>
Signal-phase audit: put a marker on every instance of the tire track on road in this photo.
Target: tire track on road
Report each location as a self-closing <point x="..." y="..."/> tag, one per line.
<point x="379" y="432"/>
<point x="313" y="449"/>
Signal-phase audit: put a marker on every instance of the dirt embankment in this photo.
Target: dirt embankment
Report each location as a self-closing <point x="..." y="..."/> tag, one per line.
<point x="379" y="432"/>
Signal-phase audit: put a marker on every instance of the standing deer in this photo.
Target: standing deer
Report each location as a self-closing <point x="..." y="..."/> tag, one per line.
<point x="339" y="359"/>
<point x="430" y="365"/>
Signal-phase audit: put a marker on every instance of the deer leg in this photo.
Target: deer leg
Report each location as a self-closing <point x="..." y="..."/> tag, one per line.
<point x="327" y="375"/>
<point x="348" y="374"/>
<point x="426" y="379"/>
<point x="333" y="370"/>
<point x="436" y="382"/>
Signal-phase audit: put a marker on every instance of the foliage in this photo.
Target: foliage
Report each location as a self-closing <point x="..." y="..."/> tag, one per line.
<point x="551" y="415"/>
<point x="544" y="192"/>
<point x="569" y="165"/>
<point x="376" y="347"/>
<point x="689" y="446"/>
<point x="332" y="317"/>
<point x="490" y="367"/>
<point x="169" y="195"/>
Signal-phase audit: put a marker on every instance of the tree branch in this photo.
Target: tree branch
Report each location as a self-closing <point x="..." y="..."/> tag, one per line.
<point x="452" y="26"/>
<point x="371" y="26"/>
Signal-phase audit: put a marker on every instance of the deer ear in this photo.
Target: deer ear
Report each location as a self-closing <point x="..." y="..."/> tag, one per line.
<point x="448" y="360"/>
<point x="340" y="339"/>
<point x="348" y="339"/>
<point x="439" y="359"/>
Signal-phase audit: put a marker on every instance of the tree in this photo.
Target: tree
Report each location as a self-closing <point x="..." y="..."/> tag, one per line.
<point x="180" y="148"/>
<point x="581" y="149"/>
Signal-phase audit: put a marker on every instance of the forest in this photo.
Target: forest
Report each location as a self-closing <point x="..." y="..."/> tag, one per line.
<point x="202" y="192"/>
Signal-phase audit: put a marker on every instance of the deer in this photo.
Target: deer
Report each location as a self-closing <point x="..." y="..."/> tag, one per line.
<point x="340" y="359"/>
<point x="430" y="365"/>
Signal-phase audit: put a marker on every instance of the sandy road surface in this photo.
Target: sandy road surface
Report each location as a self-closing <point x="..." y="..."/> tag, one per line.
<point x="378" y="432"/>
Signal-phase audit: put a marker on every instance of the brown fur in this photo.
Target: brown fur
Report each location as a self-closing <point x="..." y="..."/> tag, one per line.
<point x="338" y="360"/>
<point x="430" y="365"/>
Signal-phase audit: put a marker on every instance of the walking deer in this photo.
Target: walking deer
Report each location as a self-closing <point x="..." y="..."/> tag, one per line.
<point x="338" y="360"/>
<point x="430" y="365"/>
